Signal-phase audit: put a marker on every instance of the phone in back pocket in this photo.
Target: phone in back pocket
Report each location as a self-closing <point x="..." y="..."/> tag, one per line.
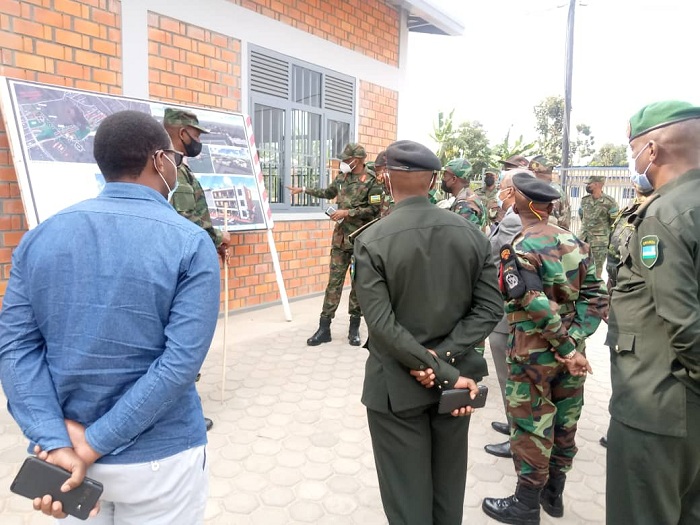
<point x="36" y="478"/>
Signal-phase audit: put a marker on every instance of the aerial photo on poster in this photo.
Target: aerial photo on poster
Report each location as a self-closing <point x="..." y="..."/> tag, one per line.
<point x="55" y="129"/>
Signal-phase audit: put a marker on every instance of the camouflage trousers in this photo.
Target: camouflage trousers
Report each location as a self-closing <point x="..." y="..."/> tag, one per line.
<point x="544" y="406"/>
<point x="337" y="270"/>
<point x="599" y="252"/>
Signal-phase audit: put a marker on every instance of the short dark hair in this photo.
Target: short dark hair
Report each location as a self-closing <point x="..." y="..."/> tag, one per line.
<point x="124" y="143"/>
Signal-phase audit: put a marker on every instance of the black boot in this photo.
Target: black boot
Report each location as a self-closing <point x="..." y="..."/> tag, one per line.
<point x="552" y="498"/>
<point x="522" y="508"/>
<point x="354" y="333"/>
<point x="323" y="334"/>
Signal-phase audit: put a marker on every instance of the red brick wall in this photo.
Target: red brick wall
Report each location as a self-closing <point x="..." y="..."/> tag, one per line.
<point x="378" y="117"/>
<point x="67" y="42"/>
<point x="370" y="27"/>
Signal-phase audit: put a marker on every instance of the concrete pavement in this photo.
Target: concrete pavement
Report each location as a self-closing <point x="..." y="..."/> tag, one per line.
<point x="290" y="443"/>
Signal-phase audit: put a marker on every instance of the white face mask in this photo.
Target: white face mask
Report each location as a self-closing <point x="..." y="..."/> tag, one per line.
<point x="177" y="182"/>
<point x="498" y="197"/>
<point x="639" y="179"/>
<point x="347" y="168"/>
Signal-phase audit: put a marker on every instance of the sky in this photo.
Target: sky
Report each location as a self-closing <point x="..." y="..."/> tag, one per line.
<point x="627" y="53"/>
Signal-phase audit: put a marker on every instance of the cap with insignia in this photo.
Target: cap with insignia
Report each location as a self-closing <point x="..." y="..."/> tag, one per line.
<point x="406" y="155"/>
<point x="659" y="115"/>
<point x="540" y="164"/>
<point x="182" y="117"/>
<point x="535" y="189"/>
<point x="352" y="150"/>
<point x="595" y="178"/>
<point x="461" y="168"/>
<point x="515" y="161"/>
<point x="380" y="161"/>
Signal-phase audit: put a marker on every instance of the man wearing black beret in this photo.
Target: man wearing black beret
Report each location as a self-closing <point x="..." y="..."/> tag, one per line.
<point x="554" y="301"/>
<point x="427" y="285"/>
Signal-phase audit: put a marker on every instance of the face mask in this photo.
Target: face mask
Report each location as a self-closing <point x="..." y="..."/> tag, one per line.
<point x="194" y="148"/>
<point x="177" y="182"/>
<point x="498" y="198"/>
<point x="640" y="180"/>
<point x="489" y="180"/>
<point x="347" y="168"/>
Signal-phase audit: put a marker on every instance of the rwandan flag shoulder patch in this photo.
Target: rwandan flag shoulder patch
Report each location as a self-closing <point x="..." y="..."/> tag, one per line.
<point x="649" y="250"/>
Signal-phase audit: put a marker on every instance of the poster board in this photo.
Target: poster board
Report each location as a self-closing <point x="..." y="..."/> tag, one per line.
<point x="51" y="131"/>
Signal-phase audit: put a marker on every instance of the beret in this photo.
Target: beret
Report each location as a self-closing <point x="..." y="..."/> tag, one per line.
<point x="460" y="167"/>
<point x="353" y="149"/>
<point x="515" y="161"/>
<point x="182" y="117"/>
<point x="380" y="161"/>
<point x="407" y="155"/>
<point x="659" y="115"/>
<point x="540" y="164"/>
<point x="595" y="178"/>
<point x="535" y="189"/>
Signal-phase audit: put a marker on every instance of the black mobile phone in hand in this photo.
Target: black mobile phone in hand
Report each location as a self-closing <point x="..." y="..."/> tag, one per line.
<point x="458" y="398"/>
<point x="36" y="478"/>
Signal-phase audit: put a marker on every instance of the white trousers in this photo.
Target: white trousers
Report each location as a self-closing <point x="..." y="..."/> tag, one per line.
<point x="170" y="491"/>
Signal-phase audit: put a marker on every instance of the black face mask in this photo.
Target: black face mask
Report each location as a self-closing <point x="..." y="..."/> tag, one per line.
<point x="444" y="188"/>
<point x="194" y="148"/>
<point x="589" y="189"/>
<point x="488" y="180"/>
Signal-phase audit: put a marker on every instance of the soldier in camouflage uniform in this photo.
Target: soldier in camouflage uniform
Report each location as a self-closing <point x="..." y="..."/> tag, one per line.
<point x="387" y="199"/>
<point x="455" y="180"/>
<point x="597" y="213"/>
<point x="358" y="198"/>
<point x="488" y="193"/>
<point x="554" y="302"/>
<point x="561" y="214"/>
<point x="188" y="199"/>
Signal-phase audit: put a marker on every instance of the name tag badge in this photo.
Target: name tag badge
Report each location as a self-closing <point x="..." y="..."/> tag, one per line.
<point x="649" y="246"/>
<point x="375" y="199"/>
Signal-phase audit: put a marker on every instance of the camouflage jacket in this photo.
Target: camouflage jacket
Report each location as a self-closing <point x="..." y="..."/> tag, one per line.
<point x="469" y="205"/>
<point x="490" y="200"/>
<point x="562" y="207"/>
<point x="621" y="232"/>
<point x="190" y="202"/>
<point x="360" y="194"/>
<point x="573" y="300"/>
<point x="597" y="217"/>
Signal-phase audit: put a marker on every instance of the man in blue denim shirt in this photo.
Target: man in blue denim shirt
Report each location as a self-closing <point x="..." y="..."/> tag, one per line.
<point x="108" y="316"/>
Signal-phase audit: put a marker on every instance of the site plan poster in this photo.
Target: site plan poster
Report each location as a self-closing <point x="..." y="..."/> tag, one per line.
<point x="51" y="131"/>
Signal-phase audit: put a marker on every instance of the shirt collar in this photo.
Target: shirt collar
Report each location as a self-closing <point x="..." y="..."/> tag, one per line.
<point x="132" y="190"/>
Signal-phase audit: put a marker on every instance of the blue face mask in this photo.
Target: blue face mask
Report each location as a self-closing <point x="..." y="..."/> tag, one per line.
<point x="177" y="182"/>
<point x="498" y="198"/>
<point x="640" y="180"/>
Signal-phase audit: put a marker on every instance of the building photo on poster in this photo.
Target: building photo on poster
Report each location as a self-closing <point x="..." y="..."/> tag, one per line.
<point x="51" y="131"/>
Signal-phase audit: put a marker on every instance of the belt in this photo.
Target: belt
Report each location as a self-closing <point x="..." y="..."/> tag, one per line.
<point x="521" y="315"/>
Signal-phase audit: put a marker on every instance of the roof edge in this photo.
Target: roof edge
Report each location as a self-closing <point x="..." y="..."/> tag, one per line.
<point x="435" y="16"/>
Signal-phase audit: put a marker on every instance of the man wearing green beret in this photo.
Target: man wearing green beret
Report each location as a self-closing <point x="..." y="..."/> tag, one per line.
<point x="357" y="198"/>
<point x="597" y="213"/>
<point x="653" y="461"/>
<point x="455" y="180"/>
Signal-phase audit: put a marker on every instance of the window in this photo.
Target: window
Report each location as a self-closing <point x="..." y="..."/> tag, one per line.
<point x="302" y="118"/>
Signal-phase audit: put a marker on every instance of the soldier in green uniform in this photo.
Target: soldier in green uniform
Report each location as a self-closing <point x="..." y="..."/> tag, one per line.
<point x="653" y="461"/>
<point x="488" y="194"/>
<point x="561" y="213"/>
<point x="188" y="199"/>
<point x="597" y="213"/>
<point x="358" y="198"/>
<point x="421" y="255"/>
<point x="455" y="180"/>
<point x="554" y="302"/>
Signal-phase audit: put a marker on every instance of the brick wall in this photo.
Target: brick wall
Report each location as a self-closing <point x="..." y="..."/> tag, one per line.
<point x="370" y="27"/>
<point x="67" y="42"/>
<point x="377" y="117"/>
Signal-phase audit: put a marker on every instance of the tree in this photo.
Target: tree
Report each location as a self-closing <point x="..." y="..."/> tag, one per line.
<point x="468" y="141"/>
<point x="583" y="146"/>
<point x="610" y="155"/>
<point x="549" y="123"/>
<point x="504" y="150"/>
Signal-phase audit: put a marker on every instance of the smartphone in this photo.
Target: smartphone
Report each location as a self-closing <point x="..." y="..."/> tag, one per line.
<point x="458" y="398"/>
<point x="36" y="478"/>
<point x="331" y="210"/>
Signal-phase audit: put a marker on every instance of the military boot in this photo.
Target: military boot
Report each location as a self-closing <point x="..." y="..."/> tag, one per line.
<point x="354" y="332"/>
<point x="323" y="334"/>
<point x="552" y="498"/>
<point x="522" y="508"/>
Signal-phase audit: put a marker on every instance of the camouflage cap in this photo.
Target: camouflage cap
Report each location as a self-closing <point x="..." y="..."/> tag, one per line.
<point x="182" y="117"/>
<point x="595" y="178"/>
<point x="461" y="168"/>
<point x="540" y="164"/>
<point x="659" y="115"/>
<point x="352" y="150"/>
<point x="515" y="161"/>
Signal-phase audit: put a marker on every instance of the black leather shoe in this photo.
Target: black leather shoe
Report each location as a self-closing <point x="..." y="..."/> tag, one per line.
<point x="552" y="496"/>
<point x="323" y="334"/>
<point x="354" y="332"/>
<point x="503" y="428"/>
<point x="208" y="423"/>
<point x="502" y="450"/>
<point x="604" y="441"/>
<point x="522" y="508"/>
